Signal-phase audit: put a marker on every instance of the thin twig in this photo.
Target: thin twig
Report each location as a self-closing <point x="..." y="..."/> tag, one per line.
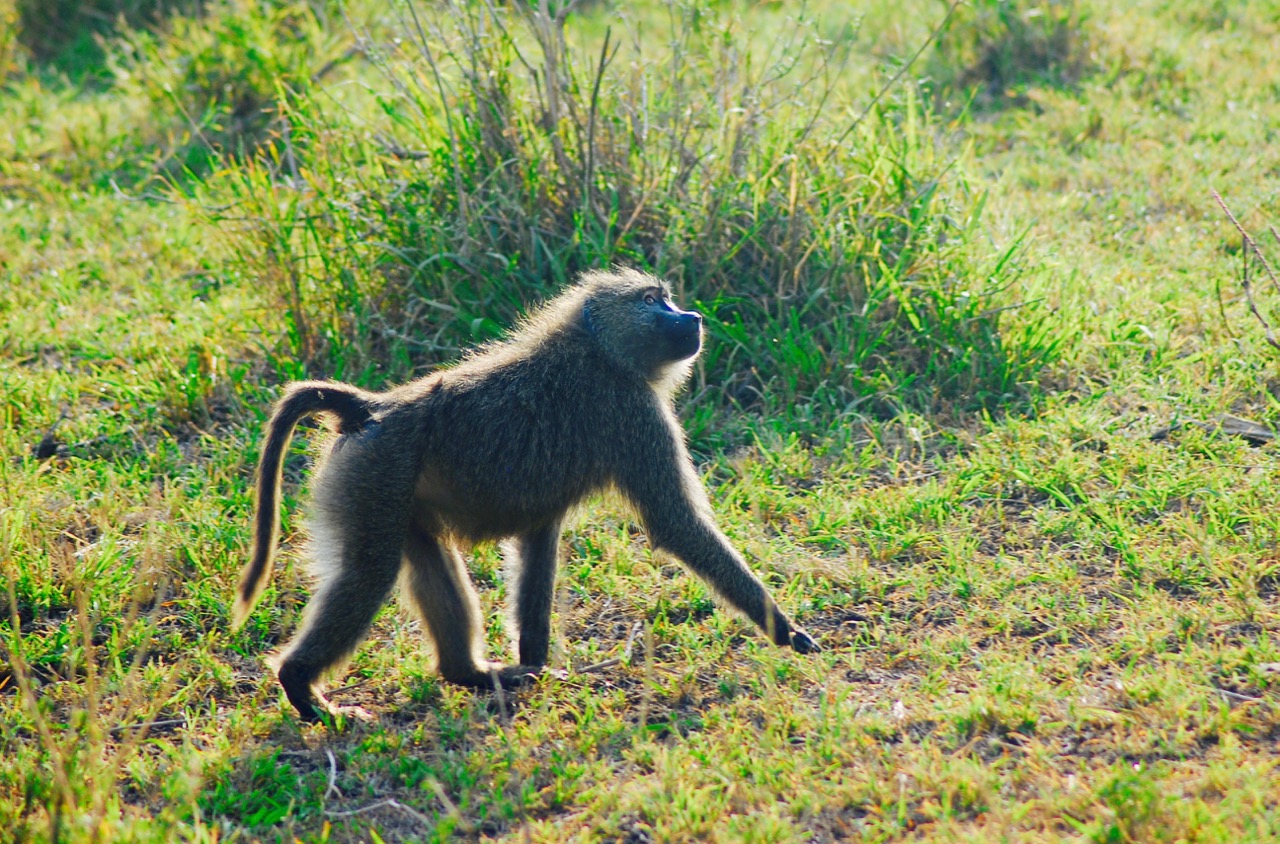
<point x="636" y="630"/>
<point x="646" y="687"/>
<point x="599" y="666"/>
<point x="390" y="802"/>
<point x="442" y="93"/>
<point x="1249" y="244"/>
<point x="349" y="687"/>
<point x="616" y="660"/>
<point x="360" y="48"/>
<point x="332" y="787"/>
<point x="393" y="149"/>
<point x="501" y="695"/>
<point x="450" y="806"/>
<point x="1248" y="241"/>
<point x="589" y="174"/>
<point x="149" y="725"/>
<point x="1237" y="696"/>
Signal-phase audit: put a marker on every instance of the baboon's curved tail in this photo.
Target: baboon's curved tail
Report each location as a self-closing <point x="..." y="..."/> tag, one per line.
<point x="352" y="408"/>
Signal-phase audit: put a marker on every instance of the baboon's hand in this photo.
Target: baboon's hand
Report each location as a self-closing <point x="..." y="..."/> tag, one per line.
<point x="803" y="643"/>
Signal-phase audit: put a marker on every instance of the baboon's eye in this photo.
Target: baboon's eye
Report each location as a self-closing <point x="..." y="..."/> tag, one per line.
<point x="650" y="299"/>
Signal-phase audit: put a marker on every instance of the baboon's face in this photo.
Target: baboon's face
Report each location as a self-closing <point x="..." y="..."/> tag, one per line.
<point x="637" y="324"/>
<point x="677" y="332"/>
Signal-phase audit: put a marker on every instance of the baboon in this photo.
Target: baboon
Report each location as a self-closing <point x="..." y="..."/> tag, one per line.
<point x="498" y="447"/>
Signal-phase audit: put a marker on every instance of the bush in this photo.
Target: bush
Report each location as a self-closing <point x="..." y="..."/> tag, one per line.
<point x="994" y="49"/>
<point x="67" y="32"/>
<point x="839" y="263"/>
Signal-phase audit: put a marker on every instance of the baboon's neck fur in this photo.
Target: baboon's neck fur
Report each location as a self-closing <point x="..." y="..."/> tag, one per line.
<point x="566" y="318"/>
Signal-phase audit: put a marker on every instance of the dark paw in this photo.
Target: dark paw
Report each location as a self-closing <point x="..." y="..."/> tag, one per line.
<point x="518" y="676"/>
<point x="310" y="704"/>
<point x="494" y="674"/>
<point x="802" y="642"/>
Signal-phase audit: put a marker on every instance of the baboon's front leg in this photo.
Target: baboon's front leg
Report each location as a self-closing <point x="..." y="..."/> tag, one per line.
<point x="678" y="519"/>
<point x="706" y="551"/>
<point x="534" y="582"/>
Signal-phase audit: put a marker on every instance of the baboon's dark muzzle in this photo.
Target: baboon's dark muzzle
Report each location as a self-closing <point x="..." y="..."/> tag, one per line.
<point x="683" y="331"/>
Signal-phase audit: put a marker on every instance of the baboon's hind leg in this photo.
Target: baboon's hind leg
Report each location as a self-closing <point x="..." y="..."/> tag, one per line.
<point x="438" y="584"/>
<point x="359" y="581"/>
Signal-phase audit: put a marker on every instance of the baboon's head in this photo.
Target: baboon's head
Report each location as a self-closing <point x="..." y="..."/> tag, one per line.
<point x="633" y="317"/>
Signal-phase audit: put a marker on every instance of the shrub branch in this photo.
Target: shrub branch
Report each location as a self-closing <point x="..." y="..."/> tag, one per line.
<point x="1250" y="245"/>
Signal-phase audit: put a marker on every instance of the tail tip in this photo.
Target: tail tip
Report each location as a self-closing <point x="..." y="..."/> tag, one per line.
<point x="240" y="612"/>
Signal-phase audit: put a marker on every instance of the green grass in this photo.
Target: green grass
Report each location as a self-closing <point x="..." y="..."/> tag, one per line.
<point x="935" y="363"/>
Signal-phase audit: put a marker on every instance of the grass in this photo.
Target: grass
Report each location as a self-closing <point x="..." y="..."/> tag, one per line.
<point x="1039" y="622"/>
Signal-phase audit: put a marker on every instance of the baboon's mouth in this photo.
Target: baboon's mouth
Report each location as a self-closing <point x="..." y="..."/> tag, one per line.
<point x="685" y="342"/>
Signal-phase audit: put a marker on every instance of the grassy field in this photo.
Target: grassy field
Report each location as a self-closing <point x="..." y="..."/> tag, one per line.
<point x="974" y="322"/>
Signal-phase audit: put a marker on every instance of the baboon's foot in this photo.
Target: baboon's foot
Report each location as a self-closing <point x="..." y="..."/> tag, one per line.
<point x="316" y="709"/>
<point x="515" y="676"/>
<point x="487" y="675"/>
<point x="297" y="682"/>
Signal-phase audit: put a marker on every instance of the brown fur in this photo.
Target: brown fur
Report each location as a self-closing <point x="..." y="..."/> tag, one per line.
<point x="579" y="399"/>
